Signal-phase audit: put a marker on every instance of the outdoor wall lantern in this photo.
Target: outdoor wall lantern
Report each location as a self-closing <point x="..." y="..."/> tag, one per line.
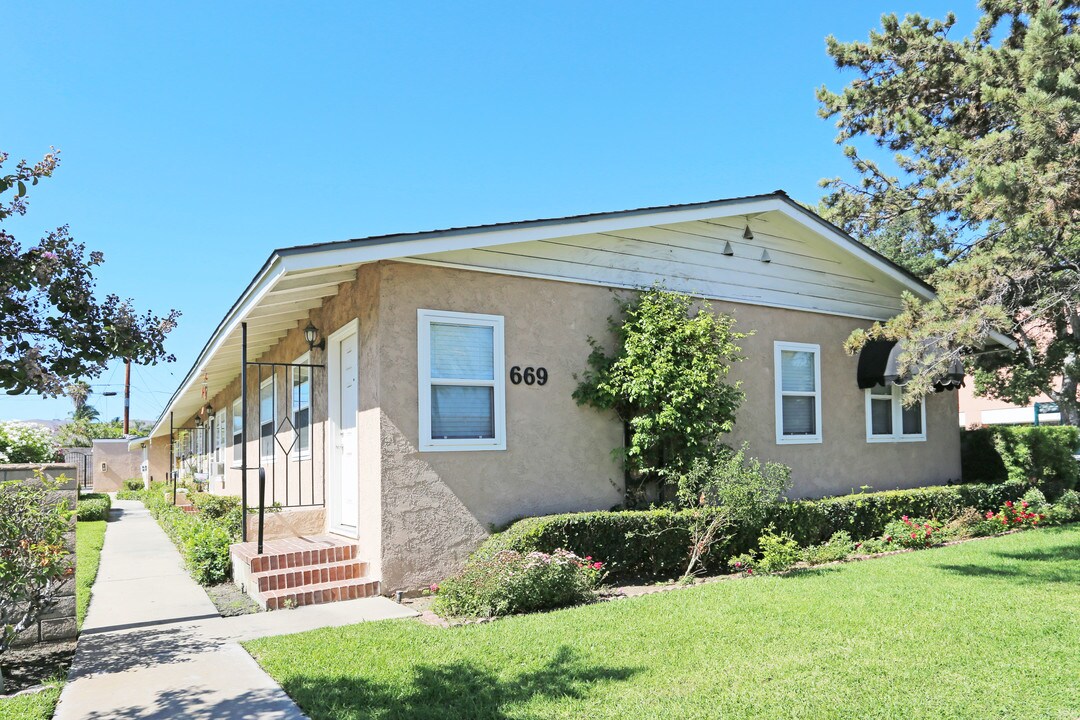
<point x="311" y="333"/>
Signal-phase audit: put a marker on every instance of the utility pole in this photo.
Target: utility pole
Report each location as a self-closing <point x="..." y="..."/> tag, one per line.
<point x="127" y="395"/>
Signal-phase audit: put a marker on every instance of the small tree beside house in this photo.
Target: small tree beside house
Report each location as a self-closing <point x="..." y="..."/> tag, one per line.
<point x="33" y="559"/>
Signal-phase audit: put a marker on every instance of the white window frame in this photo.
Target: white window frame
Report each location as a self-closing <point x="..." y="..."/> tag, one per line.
<point x="220" y="436"/>
<point x="424" y="319"/>
<point x="781" y="439"/>
<point x="299" y="454"/>
<point x="237" y="411"/>
<point x="273" y="419"/>
<point x="897" y="419"/>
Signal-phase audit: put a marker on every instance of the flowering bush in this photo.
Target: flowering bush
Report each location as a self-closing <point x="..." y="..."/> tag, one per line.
<point x="1013" y="516"/>
<point x="511" y="582"/>
<point x="742" y="564"/>
<point x="914" y="532"/>
<point x="23" y="442"/>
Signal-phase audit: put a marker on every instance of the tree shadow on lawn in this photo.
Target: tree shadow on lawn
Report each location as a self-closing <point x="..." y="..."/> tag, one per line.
<point x="1057" y="564"/>
<point x="458" y="689"/>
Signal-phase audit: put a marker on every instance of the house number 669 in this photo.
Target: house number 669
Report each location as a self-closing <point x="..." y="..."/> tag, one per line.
<point x="529" y="375"/>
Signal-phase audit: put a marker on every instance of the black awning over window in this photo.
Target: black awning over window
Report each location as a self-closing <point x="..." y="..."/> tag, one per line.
<point x="879" y="363"/>
<point x="873" y="361"/>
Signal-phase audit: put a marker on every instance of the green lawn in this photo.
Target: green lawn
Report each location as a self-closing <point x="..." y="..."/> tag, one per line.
<point x="39" y="706"/>
<point x="986" y="629"/>
<point x="89" y="538"/>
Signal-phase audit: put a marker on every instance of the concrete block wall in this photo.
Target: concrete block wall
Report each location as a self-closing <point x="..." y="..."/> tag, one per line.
<point x="59" y="623"/>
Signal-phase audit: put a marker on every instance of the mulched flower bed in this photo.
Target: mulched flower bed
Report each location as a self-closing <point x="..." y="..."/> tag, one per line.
<point x="33" y="665"/>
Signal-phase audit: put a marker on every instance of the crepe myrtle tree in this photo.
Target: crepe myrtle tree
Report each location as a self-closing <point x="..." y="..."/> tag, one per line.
<point x="667" y="381"/>
<point x="53" y="330"/>
<point x="983" y="199"/>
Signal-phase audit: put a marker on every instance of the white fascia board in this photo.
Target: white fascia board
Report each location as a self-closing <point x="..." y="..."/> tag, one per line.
<point x="258" y="289"/>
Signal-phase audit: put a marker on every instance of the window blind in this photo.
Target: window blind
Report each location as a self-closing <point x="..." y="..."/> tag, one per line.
<point x="912" y="420"/>
<point x="462" y="411"/>
<point x="881" y="416"/>
<point x="462" y="352"/>
<point x="800" y="416"/>
<point x="797" y="371"/>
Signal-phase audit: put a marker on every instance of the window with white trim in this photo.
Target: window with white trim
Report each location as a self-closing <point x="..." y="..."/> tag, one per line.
<point x="462" y="387"/>
<point x="266" y="419"/>
<point x="220" y="437"/>
<point x="887" y="420"/>
<point x="237" y="431"/>
<point x="798" y="392"/>
<point x="300" y="406"/>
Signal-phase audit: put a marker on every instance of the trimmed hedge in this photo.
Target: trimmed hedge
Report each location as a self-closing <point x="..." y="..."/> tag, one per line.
<point x="93" y="506"/>
<point x="655" y="543"/>
<point x="1037" y="455"/>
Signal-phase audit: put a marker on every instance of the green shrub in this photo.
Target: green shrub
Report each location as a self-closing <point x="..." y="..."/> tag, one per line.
<point x="656" y="543"/>
<point x="779" y="551"/>
<point x="510" y="582"/>
<point x="93" y="506"/>
<point x="133" y="484"/>
<point x="872" y="546"/>
<point x="838" y="547"/>
<point x="1065" y="510"/>
<point x="1039" y="456"/>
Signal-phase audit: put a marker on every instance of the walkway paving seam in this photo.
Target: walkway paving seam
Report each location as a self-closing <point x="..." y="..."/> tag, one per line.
<point x="154" y="647"/>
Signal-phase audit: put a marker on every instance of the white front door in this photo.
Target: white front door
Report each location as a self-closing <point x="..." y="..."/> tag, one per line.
<point x="343" y="375"/>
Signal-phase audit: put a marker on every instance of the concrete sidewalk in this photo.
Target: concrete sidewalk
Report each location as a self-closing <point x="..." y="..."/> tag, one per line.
<point x="153" y="645"/>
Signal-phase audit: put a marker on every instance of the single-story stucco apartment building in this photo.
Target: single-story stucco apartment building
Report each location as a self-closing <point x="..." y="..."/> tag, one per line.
<point x="407" y="393"/>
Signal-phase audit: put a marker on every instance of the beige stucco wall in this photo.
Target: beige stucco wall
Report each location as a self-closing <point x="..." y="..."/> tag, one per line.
<point x="421" y="513"/>
<point x="844" y="460"/>
<point x="120" y="464"/>
<point x="438" y="505"/>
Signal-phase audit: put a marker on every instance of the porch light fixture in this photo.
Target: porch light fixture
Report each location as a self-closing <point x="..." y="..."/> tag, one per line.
<point x="747" y="234"/>
<point x="765" y="258"/>
<point x="727" y="249"/>
<point x="310" y="334"/>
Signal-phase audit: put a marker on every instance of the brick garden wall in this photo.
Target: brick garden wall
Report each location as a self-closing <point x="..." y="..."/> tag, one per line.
<point x="60" y="622"/>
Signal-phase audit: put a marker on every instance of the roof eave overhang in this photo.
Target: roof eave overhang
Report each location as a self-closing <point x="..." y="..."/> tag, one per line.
<point x="356" y="252"/>
<point x="263" y="281"/>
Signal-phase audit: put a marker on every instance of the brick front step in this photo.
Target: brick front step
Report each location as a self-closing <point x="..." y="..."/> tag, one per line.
<point x="308" y="575"/>
<point x="301" y="571"/>
<point x="319" y="593"/>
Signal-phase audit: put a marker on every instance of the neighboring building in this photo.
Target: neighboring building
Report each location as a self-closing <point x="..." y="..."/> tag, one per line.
<point x="113" y="463"/>
<point x="440" y="405"/>
<point x="975" y="410"/>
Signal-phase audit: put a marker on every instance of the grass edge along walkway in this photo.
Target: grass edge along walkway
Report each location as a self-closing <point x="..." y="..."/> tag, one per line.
<point x="976" y="630"/>
<point x="89" y="539"/>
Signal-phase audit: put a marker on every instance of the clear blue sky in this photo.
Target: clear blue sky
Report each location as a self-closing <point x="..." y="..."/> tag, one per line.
<point x="196" y="137"/>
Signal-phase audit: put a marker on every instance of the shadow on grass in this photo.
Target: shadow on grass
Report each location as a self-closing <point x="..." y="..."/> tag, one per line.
<point x="1057" y="564"/>
<point x="458" y="689"/>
